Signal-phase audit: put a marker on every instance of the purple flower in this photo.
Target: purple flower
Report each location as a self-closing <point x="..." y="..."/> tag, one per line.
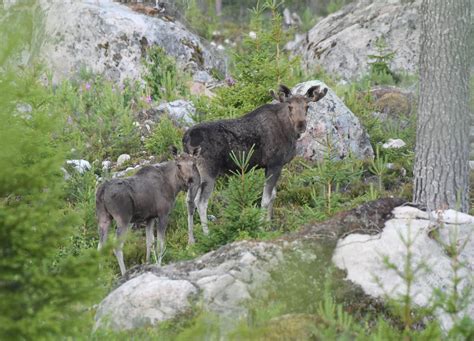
<point x="88" y="86"/>
<point x="230" y="81"/>
<point x="148" y="99"/>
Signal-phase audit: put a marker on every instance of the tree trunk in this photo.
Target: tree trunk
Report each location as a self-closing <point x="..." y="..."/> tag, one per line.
<point x="218" y="8"/>
<point x="441" y="171"/>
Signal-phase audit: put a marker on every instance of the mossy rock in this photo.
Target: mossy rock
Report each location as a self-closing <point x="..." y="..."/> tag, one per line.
<point x="393" y="104"/>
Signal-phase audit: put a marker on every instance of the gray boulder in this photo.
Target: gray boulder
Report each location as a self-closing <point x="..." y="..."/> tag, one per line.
<point x="180" y="111"/>
<point x="342" y="42"/>
<point x="220" y="281"/>
<point x="378" y="280"/>
<point x="332" y="129"/>
<point x="110" y="38"/>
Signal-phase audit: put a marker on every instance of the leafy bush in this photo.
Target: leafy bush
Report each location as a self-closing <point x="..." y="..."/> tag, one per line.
<point x="100" y="119"/>
<point x="42" y="295"/>
<point x="259" y="67"/>
<point x="241" y="215"/>
<point x="164" y="135"/>
<point x="164" y="79"/>
<point x="380" y="72"/>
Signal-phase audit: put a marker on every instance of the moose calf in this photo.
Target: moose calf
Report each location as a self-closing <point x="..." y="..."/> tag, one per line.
<point x="271" y="129"/>
<point x="149" y="194"/>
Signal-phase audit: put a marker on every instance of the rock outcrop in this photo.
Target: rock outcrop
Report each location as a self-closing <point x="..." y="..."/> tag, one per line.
<point x="332" y="129"/>
<point x="225" y="280"/>
<point x="220" y="281"/>
<point x="342" y="42"/>
<point x="110" y="38"/>
<point x="430" y="239"/>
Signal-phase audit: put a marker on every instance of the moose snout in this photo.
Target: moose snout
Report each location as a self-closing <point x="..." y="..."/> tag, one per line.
<point x="190" y="181"/>
<point x="301" y="126"/>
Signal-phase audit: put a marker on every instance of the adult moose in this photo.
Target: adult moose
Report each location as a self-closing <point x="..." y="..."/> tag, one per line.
<point x="149" y="194"/>
<point x="271" y="129"/>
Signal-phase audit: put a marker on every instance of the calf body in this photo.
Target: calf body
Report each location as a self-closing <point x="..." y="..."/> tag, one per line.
<point x="148" y="195"/>
<point x="271" y="129"/>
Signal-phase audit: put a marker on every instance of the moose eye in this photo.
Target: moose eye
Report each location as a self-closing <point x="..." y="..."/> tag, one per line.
<point x="290" y="107"/>
<point x="179" y="166"/>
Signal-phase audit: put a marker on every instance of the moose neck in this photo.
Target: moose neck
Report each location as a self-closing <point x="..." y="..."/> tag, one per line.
<point x="287" y="125"/>
<point x="180" y="183"/>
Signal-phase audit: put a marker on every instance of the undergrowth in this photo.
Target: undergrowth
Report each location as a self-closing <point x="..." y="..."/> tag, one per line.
<point x="94" y="119"/>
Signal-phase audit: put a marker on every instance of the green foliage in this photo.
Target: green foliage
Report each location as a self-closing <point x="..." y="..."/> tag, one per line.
<point x="80" y="195"/>
<point x="378" y="167"/>
<point x="380" y="72"/>
<point x="203" y="23"/>
<point x="241" y="215"/>
<point x="164" y="135"/>
<point x="42" y="295"/>
<point x="100" y="119"/>
<point x="165" y="81"/>
<point x="259" y="67"/>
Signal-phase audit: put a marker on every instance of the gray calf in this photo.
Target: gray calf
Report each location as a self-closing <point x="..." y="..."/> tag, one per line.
<point x="149" y="194"/>
<point x="272" y="129"/>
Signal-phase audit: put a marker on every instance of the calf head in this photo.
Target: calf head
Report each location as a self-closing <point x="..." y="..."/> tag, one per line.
<point x="186" y="164"/>
<point x="298" y="105"/>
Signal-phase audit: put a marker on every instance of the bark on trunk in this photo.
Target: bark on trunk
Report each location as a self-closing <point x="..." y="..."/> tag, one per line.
<point x="218" y="8"/>
<point x="441" y="173"/>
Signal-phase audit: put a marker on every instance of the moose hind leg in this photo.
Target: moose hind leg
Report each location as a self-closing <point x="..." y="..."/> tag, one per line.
<point x="160" y="234"/>
<point x="150" y="239"/>
<point x="104" y="223"/>
<point x="122" y="228"/>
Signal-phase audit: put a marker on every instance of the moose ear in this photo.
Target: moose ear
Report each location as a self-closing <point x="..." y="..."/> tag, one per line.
<point x="284" y="93"/>
<point x="314" y="93"/>
<point x="196" y="151"/>
<point x="274" y="95"/>
<point x="174" y="150"/>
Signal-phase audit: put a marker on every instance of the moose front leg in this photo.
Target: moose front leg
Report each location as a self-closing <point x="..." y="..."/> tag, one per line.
<point x="191" y="197"/>
<point x="269" y="190"/>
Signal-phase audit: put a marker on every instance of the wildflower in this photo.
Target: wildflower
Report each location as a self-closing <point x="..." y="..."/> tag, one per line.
<point x="230" y="81"/>
<point x="88" y="86"/>
<point x="148" y="99"/>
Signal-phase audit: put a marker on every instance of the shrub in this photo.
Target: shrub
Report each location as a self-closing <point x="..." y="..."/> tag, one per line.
<point x="42" y="295"/>
<point x="100" y="119"/>
<point x="260" y="66"/>
<point x="165" y="80"/>
<point x="380" y="72"/>
<point x="164" y="135"/>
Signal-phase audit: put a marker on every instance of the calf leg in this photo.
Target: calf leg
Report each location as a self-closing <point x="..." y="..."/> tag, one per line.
<point x="160" y="234"/>
<point x="190" y="198"/>
<point x="207" y="186"/>
<point x="104" y="223"/>
<point x="150" y="239"/>
<point x="269" y="190"/>
<point x="122" y="228"/>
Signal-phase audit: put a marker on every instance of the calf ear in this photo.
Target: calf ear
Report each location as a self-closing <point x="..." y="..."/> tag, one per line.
<point x="314" y="93"/>
<point x="174" y="150"/>
<point x="274" y="95"/>
<point x="197" y="151"/>
<point x="284" y="93"/>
